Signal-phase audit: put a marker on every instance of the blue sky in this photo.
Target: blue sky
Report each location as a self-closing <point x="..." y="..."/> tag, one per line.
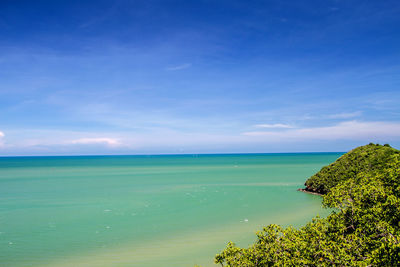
<point x="140" y="77"/>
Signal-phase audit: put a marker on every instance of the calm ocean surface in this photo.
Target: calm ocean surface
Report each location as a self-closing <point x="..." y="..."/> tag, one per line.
<point x="174" y="210"/>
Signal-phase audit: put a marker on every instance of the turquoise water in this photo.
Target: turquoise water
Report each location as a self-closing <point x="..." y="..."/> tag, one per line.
<point x="173" y="210"/>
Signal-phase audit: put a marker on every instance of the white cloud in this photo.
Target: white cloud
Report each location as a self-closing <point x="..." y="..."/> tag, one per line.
<point x="345" y="115"/>
<point x="350" y="130"/>
<point x="1" y="138"/>
<point x="277" y="125"/>
<point x="101" y="140"/>
<point x="162" y="140"/>
<point x="179" y="67"/>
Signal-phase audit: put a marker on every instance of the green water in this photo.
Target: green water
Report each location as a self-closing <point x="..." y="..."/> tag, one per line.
<point x="176" y="210"/>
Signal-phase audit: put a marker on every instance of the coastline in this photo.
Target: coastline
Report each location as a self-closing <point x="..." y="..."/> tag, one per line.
<point x="309" y="192"/>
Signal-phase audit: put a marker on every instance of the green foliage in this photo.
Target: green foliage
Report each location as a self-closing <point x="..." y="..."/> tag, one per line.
<point x="370" y="159"/>
<point x="364" y="229"/>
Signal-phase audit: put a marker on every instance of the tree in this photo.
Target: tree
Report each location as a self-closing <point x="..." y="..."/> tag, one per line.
<point x="363" y="229"/>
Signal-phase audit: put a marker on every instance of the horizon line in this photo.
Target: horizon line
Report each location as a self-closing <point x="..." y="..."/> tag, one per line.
<point x="172" y="154"/>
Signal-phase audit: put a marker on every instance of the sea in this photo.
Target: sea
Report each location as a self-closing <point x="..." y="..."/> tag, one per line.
<point x="150" y="210"/>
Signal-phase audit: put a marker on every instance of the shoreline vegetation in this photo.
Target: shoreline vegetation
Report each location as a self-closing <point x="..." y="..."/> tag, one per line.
<point x="362" y="187"/>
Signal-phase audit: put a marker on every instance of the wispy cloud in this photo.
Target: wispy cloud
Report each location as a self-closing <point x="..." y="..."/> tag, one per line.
<point x="1" y="138"/>
<point x="276" y="125"/>
<point x="101" y="140"/>
<point x="345" y="115"/>
<point x="179" y="67"/>
<point x="349" y="130"/>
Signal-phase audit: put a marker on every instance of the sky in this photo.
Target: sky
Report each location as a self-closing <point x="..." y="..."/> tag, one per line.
<point x="154" y="77"/>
